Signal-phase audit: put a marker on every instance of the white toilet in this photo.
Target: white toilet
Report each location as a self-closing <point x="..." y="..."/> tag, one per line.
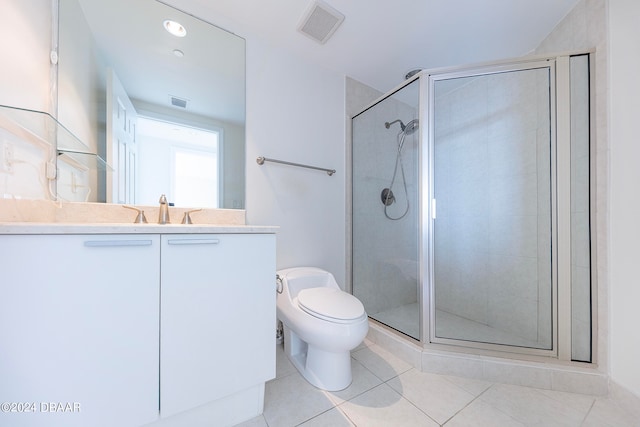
<point x="322" y="324"/>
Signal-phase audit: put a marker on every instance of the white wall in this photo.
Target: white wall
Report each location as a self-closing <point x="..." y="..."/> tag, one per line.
<point x="81" y="102"/>
<point x="24" y="83"/>
<point x="295" y="112"/>
<point x="624" y="33"/>
<point x="81" y="78"/>
<point x="30" y="23"/>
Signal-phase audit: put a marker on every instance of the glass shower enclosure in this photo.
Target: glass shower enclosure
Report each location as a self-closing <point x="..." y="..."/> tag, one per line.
<point x="471" y="204"/>
<point x="385" y="241"/>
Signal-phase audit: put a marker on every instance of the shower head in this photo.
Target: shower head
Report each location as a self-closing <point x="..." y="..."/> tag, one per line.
<point x="408" y="129"/>
<point x="411" y="127"/>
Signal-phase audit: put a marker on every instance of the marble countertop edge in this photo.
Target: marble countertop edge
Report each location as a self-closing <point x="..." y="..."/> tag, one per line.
<point x="130" y="228"/>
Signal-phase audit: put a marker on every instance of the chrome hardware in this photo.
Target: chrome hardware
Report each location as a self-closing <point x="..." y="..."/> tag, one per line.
<point x="387" y="197"/>
<point x="261" y="160"/>
<point x="140" y="219"/>
<point x="186" y="219"/>
<point x="163" y="217"/>
<point x="279" y="333"/>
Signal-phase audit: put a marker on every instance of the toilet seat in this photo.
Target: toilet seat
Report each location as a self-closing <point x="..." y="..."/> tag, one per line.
<point x="331" y="304"/>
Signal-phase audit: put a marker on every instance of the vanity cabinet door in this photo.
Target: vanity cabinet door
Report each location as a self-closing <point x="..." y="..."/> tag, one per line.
<point x="217" y="317"/>
<point x="79" y="329"/>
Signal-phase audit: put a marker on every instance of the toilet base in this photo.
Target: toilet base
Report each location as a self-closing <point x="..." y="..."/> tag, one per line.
<point x="326" y="370"/>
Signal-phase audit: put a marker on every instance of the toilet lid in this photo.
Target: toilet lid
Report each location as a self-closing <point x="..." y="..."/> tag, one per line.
<point x="330" y="304"/>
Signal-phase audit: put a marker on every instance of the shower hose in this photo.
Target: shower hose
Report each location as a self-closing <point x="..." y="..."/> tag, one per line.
<point x="401" y="137"/>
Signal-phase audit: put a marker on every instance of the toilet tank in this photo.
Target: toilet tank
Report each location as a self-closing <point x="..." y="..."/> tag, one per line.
<point x="300" y="278"/>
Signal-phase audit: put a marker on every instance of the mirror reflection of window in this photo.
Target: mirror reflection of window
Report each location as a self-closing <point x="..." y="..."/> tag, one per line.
<point x="195" y="178"/>
<point x="180" y="161"/>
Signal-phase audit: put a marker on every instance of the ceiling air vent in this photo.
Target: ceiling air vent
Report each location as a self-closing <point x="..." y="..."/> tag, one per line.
<point x="320" y="21"/>
<point x="178" y="102"/>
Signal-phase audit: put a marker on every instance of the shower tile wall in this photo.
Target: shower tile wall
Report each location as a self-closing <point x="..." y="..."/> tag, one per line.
<point x="492" y="232"/>
<point x="384" y="251"/>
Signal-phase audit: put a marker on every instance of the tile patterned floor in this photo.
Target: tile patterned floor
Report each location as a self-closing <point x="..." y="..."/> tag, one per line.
<point x="386" y="391"/>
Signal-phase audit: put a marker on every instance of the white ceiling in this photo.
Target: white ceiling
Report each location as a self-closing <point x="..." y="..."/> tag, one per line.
<point x="377" y="44"/>
<point x="380" y="40"/>
<point x="133" y="42"/>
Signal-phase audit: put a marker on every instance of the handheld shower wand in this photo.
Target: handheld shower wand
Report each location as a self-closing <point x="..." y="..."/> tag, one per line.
<point x="387" y="194"/>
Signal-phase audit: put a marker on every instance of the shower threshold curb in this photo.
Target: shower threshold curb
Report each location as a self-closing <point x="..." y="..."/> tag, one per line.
<point x="542" y="375"/>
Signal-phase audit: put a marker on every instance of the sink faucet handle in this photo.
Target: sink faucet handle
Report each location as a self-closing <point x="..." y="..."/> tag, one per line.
<point x="187" y="218"/>
<point x="140" y="219"/>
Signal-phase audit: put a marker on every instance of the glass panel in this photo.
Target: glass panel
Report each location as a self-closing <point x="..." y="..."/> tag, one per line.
<point x="580" y="224"/>
<point x="492" y="233"/>
<point x="385" y="210"/>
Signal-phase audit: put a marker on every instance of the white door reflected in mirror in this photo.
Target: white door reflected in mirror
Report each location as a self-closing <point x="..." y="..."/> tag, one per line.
<point x="121" y="142"/>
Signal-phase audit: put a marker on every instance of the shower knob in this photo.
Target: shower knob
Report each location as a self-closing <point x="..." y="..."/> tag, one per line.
<point x="387" y="197"/>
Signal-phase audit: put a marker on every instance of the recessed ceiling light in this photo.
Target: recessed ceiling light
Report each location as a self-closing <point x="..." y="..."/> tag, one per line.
<point x="175" y="28"/>
<point x="178" y="53"/>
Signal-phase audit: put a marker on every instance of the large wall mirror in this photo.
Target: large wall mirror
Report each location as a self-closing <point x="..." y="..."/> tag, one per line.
<point x="166" y="111"/>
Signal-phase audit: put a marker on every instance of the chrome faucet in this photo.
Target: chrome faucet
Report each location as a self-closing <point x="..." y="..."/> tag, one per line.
<point x="163" y="217"/>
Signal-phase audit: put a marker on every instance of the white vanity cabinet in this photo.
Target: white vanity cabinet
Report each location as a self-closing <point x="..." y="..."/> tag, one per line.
<point x="217" y="321"/>
<point x="138" y="328"/>
<point x="79" y="321"/>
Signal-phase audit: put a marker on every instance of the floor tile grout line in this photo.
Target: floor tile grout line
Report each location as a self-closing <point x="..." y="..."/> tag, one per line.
<point x="317" y="415"/>
<point x="345" y="414"/>
<point x="415" y="406"/>
<point x="469" y="404"/>
<point x="282" y="376"/>
<point x="451" y="382"/>
<point x="377" y="376"/>
<point x="588" y="412"/>
<point x="403" y="398"/>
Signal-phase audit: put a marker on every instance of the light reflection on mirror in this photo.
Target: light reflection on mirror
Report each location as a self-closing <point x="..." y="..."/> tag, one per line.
<point x="202" y="88"/>
<point x="179" y="158"/>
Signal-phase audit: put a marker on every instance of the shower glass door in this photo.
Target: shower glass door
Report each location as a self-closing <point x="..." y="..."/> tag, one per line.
<point x="385" y="210"/>
<point x="492" y="146"/>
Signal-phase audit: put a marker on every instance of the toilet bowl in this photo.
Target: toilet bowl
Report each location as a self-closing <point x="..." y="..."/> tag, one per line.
<point x="322" y="324"/>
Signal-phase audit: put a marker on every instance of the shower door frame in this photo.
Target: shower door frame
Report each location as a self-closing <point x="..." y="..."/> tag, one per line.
<point x="560" y="177"/>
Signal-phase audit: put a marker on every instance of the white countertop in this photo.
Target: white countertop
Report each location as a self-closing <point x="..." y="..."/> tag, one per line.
<point x="124" y="228"/>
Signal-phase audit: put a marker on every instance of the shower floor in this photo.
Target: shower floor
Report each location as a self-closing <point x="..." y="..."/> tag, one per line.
<point x="455" y="327"/>
<point x="406" y="319"/>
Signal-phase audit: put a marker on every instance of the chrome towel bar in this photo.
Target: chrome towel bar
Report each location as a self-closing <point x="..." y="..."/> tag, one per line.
<point x="261" y="160"/>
